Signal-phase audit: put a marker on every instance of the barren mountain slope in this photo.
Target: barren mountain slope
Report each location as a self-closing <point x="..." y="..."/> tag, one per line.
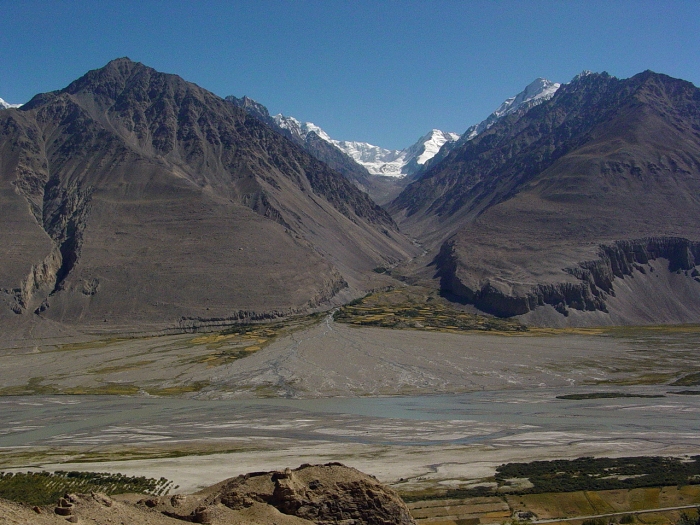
<point x="135" y="200"/>
<point x="530" y="213"/>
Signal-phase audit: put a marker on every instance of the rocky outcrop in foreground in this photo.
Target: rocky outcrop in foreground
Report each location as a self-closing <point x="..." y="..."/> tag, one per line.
<point x="321" y="494"/>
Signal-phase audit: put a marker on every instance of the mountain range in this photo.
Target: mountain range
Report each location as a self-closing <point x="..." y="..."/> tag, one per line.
<point x="411" y="160"/>
<point x="381" y="172"/>
<point x="377" y="160"/>
<point x="134" y="201"/>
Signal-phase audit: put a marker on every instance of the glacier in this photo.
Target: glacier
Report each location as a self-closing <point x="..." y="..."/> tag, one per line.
<point x="377" y="160"/>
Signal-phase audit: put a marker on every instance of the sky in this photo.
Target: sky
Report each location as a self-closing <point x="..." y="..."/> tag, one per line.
<point x="383" y="72"/>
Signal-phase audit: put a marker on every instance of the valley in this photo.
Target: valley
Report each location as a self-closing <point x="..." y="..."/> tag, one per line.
<point x="319" y="357"/>
<point x="193" y="289"/>
<point x="423" y="411"/>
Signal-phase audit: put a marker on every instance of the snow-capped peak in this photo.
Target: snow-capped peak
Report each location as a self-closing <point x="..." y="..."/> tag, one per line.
<point x="6" y="105"/>
<point x="300" y="129"/>
<point x="535" y="93"/>
<point x="377" y="160"/>
<point x="539" y="89"/>
<point x="584" y="73"/>
<point x="397" y="163"/>
<point x="428" y="145"/>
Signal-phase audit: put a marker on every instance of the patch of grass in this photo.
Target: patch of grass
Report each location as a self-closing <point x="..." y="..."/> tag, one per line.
<point x="268" y="330"/>
<point x="240" y="341"/>
<point x="224" y="356"/>
<point x="620" y="506"/>
<point x="688" y="519"/>
<point x="595" y="521"/>
<point x="605" y="395"/>
<point x="33" y="387"/>
<point x="45" y="488"/>
<point x="430" y="495"/>
<point x="90" y="345"/>
<point x="120" y="368"/>
<point x="555" y="505"/>
<point x="177" y="390"/>
<point x="211" y="338"/>
<point x="399" y="309"/>
<point x="24" y="458"/>
<point x="264" y="391"/>
<point x="646" y="498"/>
<point x="688" y="380"/>
<point x="686" y="393"/>
<point x="663" y="329"/>
<point x="109" y="389"/>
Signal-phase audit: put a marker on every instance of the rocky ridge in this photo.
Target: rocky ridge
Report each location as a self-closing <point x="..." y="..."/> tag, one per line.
<point x="595" y="279"/>
<point x="535" y="93"/>
<point x="311" y="494"/>
<point x="538" y="91"/>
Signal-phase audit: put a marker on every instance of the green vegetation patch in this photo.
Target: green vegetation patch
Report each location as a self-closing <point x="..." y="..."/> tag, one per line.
<point x="34" y="387"/>
<point x="108" y="389"/>
<point x="605" y="395"/>
<point x="479" y="491"/>
<point x="178" y="389"/>
<point x="45" y="488"/>
<point x="400" y="309"/>
<point x="602" y="473"/>
<point x="687" y="519"/>
<point x="91" y="345"/>
<point x="241" y="340"/>
<point x="688" y="380"/>
<point x="268" y="330"/>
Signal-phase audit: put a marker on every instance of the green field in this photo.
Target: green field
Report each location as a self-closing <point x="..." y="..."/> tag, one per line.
<point x="45" y="488"/>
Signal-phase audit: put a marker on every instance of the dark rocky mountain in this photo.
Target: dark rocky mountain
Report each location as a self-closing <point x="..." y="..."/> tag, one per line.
<point x="132" y="200"/>
<point x="583" y="210"/>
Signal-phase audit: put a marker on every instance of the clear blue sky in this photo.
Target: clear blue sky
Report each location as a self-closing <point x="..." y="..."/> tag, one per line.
<point x="384" y="72"/>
